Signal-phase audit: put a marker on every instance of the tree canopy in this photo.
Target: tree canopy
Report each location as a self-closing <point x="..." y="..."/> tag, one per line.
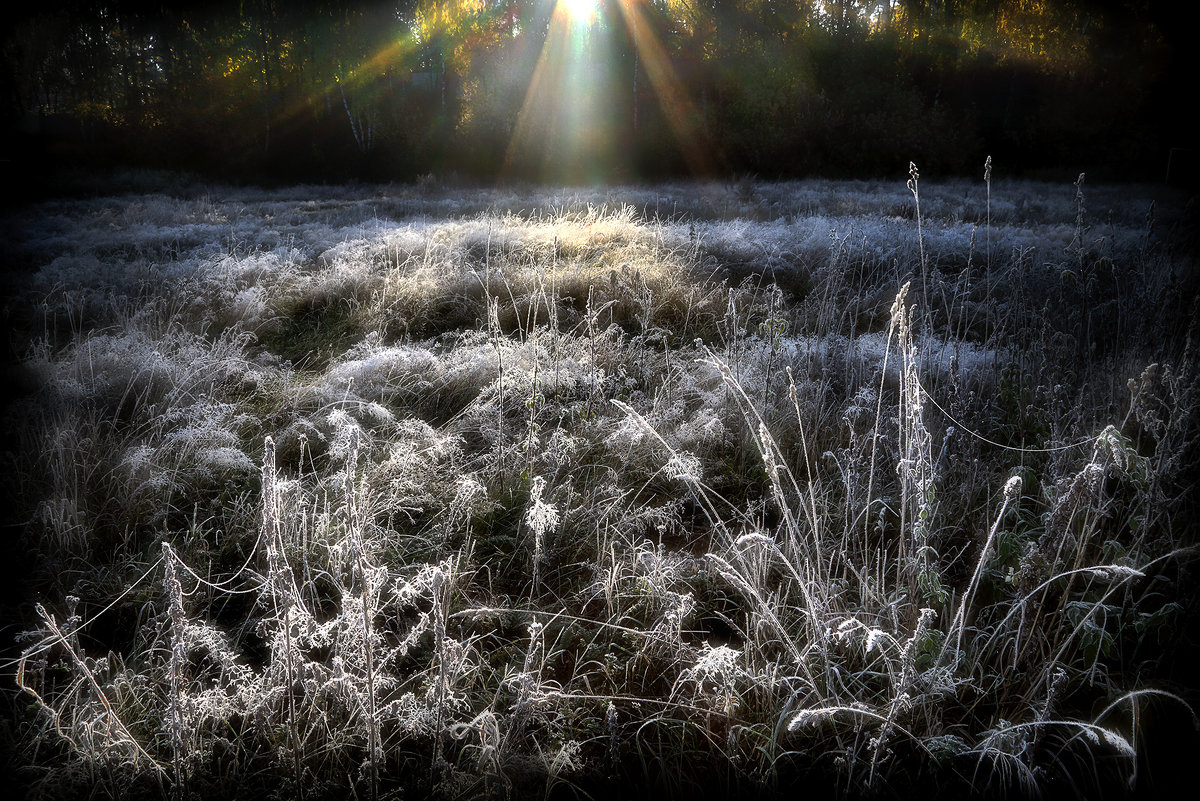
<point x="630" y="89"/>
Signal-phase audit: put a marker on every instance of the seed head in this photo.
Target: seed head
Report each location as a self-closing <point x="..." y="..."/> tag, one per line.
<point x="1012" y="488"/>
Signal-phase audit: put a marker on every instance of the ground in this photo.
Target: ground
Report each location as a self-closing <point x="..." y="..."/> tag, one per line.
<point x="420" y="491"/>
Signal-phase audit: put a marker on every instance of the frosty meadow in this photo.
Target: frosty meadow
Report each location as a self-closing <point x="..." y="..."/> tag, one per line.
<point x="673" y="490"/>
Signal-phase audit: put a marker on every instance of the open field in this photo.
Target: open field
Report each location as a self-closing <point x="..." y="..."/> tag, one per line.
<point x="674" y="490"/>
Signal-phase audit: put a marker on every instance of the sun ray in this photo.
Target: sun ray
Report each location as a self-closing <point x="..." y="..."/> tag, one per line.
<point x="567" y="111"/>
<point x="676" y="106"/>
<point x="564" y="124"/>
<point x="553" y="52"/>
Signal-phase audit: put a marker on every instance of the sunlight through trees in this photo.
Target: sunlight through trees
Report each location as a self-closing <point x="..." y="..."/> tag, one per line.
<point x="592" y="89"/>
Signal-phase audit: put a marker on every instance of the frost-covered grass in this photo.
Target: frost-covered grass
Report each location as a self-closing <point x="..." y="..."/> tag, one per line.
<point x="677" y="489"/>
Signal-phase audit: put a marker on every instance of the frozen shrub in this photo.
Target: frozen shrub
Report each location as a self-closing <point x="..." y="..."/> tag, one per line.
<point x="378" y="373"/>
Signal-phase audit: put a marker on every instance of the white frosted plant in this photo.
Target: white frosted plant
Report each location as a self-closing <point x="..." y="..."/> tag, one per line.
<point x="348" y="433"/>
<point x="206" y="680"/>
<point x="416" y="472"/>
<point x="542" y="517"/>
<point x="915" y="466"/>
<point x="82" y="714"/>
<point x="202" y="449"/>
<point x="208" y="443"/>
<point x="658" y="578"/>
<point x="716" y="677"/>
<point x="378" y="373"/>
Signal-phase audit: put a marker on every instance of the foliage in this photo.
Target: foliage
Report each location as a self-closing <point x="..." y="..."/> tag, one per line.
<point x="645" y="88"/>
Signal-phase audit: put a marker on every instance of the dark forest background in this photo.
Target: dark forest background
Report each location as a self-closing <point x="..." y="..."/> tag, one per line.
<point x="267" y="90"/>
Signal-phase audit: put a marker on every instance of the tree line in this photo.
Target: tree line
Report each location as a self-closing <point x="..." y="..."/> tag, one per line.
<point x="321" y="90"/>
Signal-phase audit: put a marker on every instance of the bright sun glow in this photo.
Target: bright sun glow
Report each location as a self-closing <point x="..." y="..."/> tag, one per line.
<point x="580" y="11"/>
<point x="567" y="126"/>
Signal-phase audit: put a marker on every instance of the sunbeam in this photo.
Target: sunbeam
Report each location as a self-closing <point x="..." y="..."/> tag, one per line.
<point x="570" y="118"/>
<point x="672" y="95"/>
<point x="566" y="120"/>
